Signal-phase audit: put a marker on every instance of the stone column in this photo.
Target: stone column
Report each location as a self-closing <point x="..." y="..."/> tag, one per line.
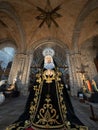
<point x="20" y="70"/>
<point x="88" y="59"/>
<point x="70" y="72"/>
<point x="14" y="69"/>
<point x="75" y="78"/>
<point x="26" y="72"/>
<point x="78" y="64"/>
<point x="73" y="75"/>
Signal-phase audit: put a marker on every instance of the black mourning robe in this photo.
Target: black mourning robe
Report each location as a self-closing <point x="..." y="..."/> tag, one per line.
<point x="48" y="106"/>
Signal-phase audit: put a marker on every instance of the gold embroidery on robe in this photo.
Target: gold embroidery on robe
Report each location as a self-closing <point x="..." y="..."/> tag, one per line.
<point x="47" y="115"/>
<point x="35" y="102"/>
<point x="49" y="76"/>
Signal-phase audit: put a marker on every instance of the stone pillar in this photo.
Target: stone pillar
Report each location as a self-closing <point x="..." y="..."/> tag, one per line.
<point x="14" y="69"/>
<point x="20" y="70"/>
<point x="75" y="77"/>
<point x="70" y="72"/>
<point x="26" y="72"/>
<point x="88" y="59"/>
<point x="78" y="68"/>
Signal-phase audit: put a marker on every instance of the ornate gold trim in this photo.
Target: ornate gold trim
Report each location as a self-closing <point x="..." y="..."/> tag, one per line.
<point x="47" y="115"/>
<point x="49" y="76"/>
<point x="36" y="100"/>
<point x="10" y="127"/>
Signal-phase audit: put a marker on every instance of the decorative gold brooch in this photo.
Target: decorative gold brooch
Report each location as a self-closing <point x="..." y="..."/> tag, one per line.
<point x="49" y="76"/>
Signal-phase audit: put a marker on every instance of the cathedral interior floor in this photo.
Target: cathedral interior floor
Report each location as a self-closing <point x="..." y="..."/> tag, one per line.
<point x="12" y="108"/>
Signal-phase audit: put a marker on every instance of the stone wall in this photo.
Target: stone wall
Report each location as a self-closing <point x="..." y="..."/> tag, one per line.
<point x="88" y="53"/>
<point x="79" y="63"/>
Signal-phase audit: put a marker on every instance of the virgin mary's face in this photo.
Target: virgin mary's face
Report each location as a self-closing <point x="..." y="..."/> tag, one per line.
<point x="48" y="59"/>
<point x="48" y="62"/>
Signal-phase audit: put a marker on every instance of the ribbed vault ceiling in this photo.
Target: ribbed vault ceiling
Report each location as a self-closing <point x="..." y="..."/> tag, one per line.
<point x="18" y="23"/>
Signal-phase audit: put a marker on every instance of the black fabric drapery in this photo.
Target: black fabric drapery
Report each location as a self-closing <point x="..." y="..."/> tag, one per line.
<point x="48" y="105"/>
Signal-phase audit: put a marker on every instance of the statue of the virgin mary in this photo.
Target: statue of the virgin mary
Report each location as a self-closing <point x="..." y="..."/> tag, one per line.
<point x="48" y="105"/>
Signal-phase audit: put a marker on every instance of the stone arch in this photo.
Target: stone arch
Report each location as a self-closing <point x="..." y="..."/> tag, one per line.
<point x="8" y="9"/>
<point x="89" y="7"/>
<point x="59" y="47"/>
<point x="91" y="42"/>
<point x="89" y="50"/>
<point x="60" y="56"/>
<point x="8" y="43"/>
